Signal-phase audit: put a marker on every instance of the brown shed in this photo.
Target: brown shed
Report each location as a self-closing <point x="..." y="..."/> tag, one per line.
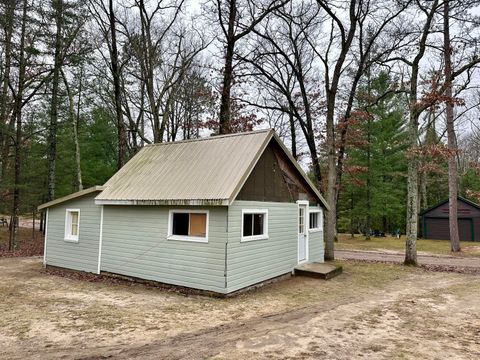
<point x="435" y="221"/>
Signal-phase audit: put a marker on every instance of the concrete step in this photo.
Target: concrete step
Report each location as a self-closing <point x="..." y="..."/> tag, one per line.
<point x="318" y="270"/>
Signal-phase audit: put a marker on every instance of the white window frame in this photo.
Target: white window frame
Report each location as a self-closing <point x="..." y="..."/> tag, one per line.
<point x="320" y="219"/>
<point x="68" y="226"/>
<point x="170" y="235"/>
<point x="264" y="236"/>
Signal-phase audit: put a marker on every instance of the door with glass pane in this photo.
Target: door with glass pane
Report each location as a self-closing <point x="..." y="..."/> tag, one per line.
<point x="302" y="234"/>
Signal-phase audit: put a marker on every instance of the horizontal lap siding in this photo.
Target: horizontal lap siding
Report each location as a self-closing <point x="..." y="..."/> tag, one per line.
<point x="78" y="256"/>
<point x="135" y="244"/>
<point x="316" y="246"/>
<point x="251" y="262"/>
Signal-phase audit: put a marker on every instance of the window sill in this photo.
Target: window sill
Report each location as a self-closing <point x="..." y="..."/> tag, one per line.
<point x="72" y="240"/>
<point x="254" y="238"/>
<point x="315" y="230"/>
<point x="187" y="238"/>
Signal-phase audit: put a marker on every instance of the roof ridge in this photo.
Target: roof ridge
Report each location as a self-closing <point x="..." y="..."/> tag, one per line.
<point x="459" y="197"/>
<point x="214" y="137"/>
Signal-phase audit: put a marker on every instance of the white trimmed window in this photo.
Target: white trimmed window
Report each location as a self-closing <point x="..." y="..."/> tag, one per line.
<point x="188" y="225"/>
<point x="254" y="224"/>
<point x="72" y="224"/>
<point x="315" y="220"/>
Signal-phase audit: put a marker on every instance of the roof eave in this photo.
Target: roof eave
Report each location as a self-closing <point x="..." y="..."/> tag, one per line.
<point x="71" y="197"/>
<point x="171" y="202"/>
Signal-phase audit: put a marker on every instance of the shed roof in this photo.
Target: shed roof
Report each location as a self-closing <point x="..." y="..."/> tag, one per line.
<point x="460" y="198"/>
<point x="71" y="197"/>
<point x="207" y="171"/>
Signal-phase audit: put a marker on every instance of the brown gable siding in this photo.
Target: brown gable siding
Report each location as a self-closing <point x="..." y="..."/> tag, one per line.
<point x="275" y="179"/>
<point x="266" y="182"/>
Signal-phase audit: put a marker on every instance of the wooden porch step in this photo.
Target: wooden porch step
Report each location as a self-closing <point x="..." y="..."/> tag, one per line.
<point x="318" y="270"/>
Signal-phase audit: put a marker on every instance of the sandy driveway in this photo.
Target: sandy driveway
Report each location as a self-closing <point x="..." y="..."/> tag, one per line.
<point x="471" y="264"/>
<point x="374" y="311"/>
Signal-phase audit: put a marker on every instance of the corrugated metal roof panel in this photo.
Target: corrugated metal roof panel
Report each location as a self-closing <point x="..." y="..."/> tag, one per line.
<point x="208" y="169"/>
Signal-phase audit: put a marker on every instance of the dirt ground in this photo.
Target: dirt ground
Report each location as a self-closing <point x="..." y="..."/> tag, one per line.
<point x="373" y="311"/>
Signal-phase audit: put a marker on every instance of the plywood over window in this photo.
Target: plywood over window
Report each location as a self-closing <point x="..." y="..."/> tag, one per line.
<point x="188" y="225"/>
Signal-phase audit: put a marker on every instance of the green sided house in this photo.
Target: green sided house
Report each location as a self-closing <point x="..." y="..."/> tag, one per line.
<point x="217" y="214"/>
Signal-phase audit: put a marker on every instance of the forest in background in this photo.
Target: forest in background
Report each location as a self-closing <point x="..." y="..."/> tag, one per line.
<point x="378" y="99"/>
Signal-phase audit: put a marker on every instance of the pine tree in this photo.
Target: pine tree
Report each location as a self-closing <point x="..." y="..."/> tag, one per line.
<point x="375" y="184"/>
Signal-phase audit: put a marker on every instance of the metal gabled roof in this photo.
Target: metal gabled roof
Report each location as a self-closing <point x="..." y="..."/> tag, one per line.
<point x="207" y="171"/>
<point x="204" y="171"/>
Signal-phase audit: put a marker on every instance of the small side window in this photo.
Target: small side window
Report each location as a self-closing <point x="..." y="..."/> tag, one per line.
<point x="315" y="220"/>
<point x="254" y="225"/>
<point x="72" y="225"/>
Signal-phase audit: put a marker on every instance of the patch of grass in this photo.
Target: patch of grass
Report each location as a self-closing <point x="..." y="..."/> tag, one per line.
<point x="439" y="247"/>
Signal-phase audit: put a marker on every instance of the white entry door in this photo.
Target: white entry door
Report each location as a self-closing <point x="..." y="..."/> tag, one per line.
<point x="302" y="233"/>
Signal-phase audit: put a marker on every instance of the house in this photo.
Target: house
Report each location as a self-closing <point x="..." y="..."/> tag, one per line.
<point x="435" y="221"/>
<point x="217" y="214"/>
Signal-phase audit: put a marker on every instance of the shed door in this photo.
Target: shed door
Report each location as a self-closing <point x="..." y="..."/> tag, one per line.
<point x="440" y="229"/>
<point x="302" y="233"/>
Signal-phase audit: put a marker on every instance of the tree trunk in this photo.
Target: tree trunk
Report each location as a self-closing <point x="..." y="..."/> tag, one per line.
<point x="293" y="135"/>
<point x="75" y="130"/>
<point x="9" y="17"/>
<point x="18" y="134"/>
<point x="452" y="141"/>
<point x="412" y="203"/>
<point x="331" y="181"/>
<point x="74" y="123"/>
<point x="369" y="182"/>
<point x="331" y="92"/>
<point x="52" y="136"/>
<point x="412" y="174"/>
<point x="121" y="132"/>
<point x="225" y="111"/>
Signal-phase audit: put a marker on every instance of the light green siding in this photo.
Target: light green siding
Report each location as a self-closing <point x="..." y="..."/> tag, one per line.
<point x="251" y="262"/>
<point x="135" y="244"/>
<point x="78" y="256"/>
<point x="315" y="244"/>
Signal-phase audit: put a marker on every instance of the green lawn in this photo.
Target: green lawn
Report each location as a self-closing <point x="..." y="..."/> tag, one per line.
<point x="346" y="242"/>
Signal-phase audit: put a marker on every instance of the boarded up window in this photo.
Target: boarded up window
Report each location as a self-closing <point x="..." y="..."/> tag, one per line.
<point x="198" y="225"/>
<point x="189" y="224"/>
